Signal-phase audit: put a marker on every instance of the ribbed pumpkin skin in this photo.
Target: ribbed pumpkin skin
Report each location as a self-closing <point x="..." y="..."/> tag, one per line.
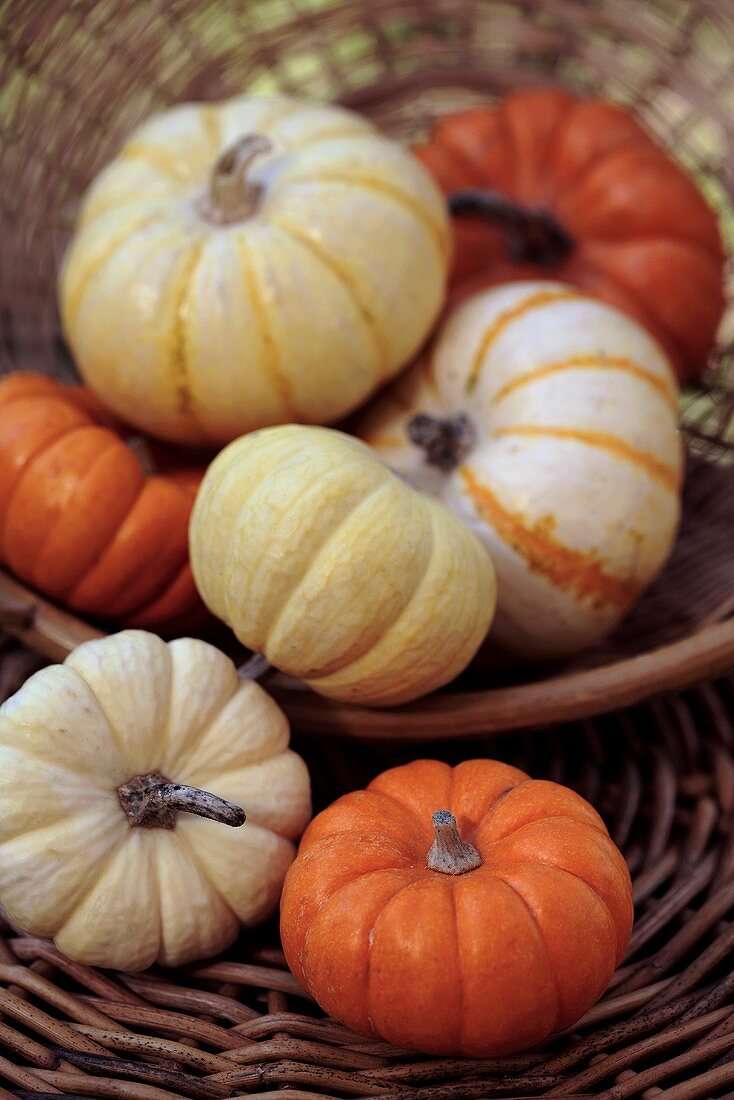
<point x="74" y="868"/>
<point x="197" y="331"/>
<point x="320" y="558"/>
<point x="80" y="520"/>
<point x="482" y="963"/>
<point x="573" y="478"/>
<point x="645" y="239"/>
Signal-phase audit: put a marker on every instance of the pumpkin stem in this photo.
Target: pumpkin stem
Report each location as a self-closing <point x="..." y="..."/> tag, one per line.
<point x="152" y="801"/>
<point x="449" y="854"/>
<point x="444" y="440"/>
<point x="254" y="667"/>
<point x="232" y="196"/>
<point x="533" y="236"/>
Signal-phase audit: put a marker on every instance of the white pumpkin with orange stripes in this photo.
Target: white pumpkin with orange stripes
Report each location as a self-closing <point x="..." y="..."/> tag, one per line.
<point x="252" y="262"/>
<point x="548" y="422"/>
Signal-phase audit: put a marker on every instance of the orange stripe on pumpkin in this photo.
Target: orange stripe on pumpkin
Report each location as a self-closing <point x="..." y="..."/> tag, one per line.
<point x="533" y="301"/>
<point x="272" y="352"/>
<point x="660" y="471"/>
<point x="584" y="574"/>
<point x="155" y="156"/>
<point x="179" y="343"/>
<point x="593" y="362"/>
<point x="76" y="294"/>
<point x="387" y="190"/>
<point x="348" y="281"/>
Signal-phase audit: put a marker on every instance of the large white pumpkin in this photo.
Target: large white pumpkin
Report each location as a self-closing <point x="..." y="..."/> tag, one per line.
<point x="95" y="850"/>
<point x="252" y="262"/>
<point x="551" y="429"/>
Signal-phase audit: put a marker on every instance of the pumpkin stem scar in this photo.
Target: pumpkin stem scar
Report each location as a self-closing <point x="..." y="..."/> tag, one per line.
<point x="232" y="197"/>
<point x="533" y="236"/>
<point x="152" y="802"/>
<point x="449" y="854"/>
<point x="444" y="441"/>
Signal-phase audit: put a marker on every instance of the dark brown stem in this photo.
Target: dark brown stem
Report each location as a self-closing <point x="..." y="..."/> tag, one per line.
<point x="152" y="802"/>
<point x="533" y="236"/>
<point x="449" y="854"/>
<point x="232" y="196"/>
<point x="445" y="441"/>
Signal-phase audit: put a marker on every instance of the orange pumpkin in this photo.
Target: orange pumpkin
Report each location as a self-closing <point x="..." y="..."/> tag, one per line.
<point x="466" y="910"/>
<point x="80" y="520"/>
<point x="545" y="182"/>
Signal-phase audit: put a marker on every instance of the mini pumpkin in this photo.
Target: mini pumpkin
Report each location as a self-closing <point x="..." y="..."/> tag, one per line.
<point x="106" y="763"/>
<point x="252" y="262"/>
<point x="545" y="182"/>
<point x="321" y="559"/>
<point x="80" y="520"/>
<point x="547" y="421"/>
<point x="468" y="910"/>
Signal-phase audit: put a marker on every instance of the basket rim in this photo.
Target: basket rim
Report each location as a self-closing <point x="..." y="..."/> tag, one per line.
<point x="708" y="652"/>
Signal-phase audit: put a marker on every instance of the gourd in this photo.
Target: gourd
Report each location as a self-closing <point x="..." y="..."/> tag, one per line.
<point x="251" y="262"/>
<point x="321" y="559"/>
<point x="80" y="519"/>
<point x="547" y="422"/>
<point x="547" y="183"/>
<point x="468" y="910"/>
<point x="104" y="763"/>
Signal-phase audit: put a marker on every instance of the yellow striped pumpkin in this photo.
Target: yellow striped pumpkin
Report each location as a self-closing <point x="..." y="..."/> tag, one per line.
<point x="252" y="262"/>
<point x="549" y="425"/>
<point x="320" y="558"/>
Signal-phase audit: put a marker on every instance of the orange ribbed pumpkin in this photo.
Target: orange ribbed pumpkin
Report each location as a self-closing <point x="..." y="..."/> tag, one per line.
<point x="479" y="941"/>
<point x="548" y="184"/>
<point x="79" y="518"/>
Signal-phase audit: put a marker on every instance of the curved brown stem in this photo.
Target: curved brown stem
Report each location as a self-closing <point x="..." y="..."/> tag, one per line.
<point x="445" y="440"/>
<point x="449" y="854"/>
<point x="533" y="236"/>
<point x="232" y="196"/>
<point x="152" y="802"/>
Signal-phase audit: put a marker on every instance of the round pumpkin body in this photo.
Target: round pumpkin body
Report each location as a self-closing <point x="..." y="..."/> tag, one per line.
<point x="252" y="262"/>
<point x="567" y="461"/>
<point x="75" y="741"/>
<point x="593" y="201"/>
<point x="479" y="937"/>
<point x="81" y="520"/>
<point x="323" y="560"/>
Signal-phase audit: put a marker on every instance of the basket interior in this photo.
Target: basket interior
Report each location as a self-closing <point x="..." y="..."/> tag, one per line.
<point x="77" y="77"/>
<point x="662" y="776"/>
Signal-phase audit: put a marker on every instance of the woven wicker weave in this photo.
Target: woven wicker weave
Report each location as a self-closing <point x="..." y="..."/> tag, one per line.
<point x="76" y="76"/>
<point x="663" y="777"/>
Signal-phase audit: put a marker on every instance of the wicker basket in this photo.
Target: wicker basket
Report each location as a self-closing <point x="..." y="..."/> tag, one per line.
<point x="78" y="76"/>
<point x="662" y="776"/>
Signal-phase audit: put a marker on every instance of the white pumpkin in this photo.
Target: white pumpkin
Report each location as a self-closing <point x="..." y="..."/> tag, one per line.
<point x="252" y="262"/>
<point x="94" y="850"/>
<point x="551" y="430"/>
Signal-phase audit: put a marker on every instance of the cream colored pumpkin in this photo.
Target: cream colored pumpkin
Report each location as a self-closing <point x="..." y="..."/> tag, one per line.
<point x="568" y="465"/>
<point x="74" y="867"/>
<point x="323" y="560"/>
<point x="251" y="262"/>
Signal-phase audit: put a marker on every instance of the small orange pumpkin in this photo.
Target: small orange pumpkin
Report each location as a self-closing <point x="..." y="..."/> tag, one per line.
<point x="468" y="910"/>
<point x="547" y="184"/>
<point x="80" y="520"/>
